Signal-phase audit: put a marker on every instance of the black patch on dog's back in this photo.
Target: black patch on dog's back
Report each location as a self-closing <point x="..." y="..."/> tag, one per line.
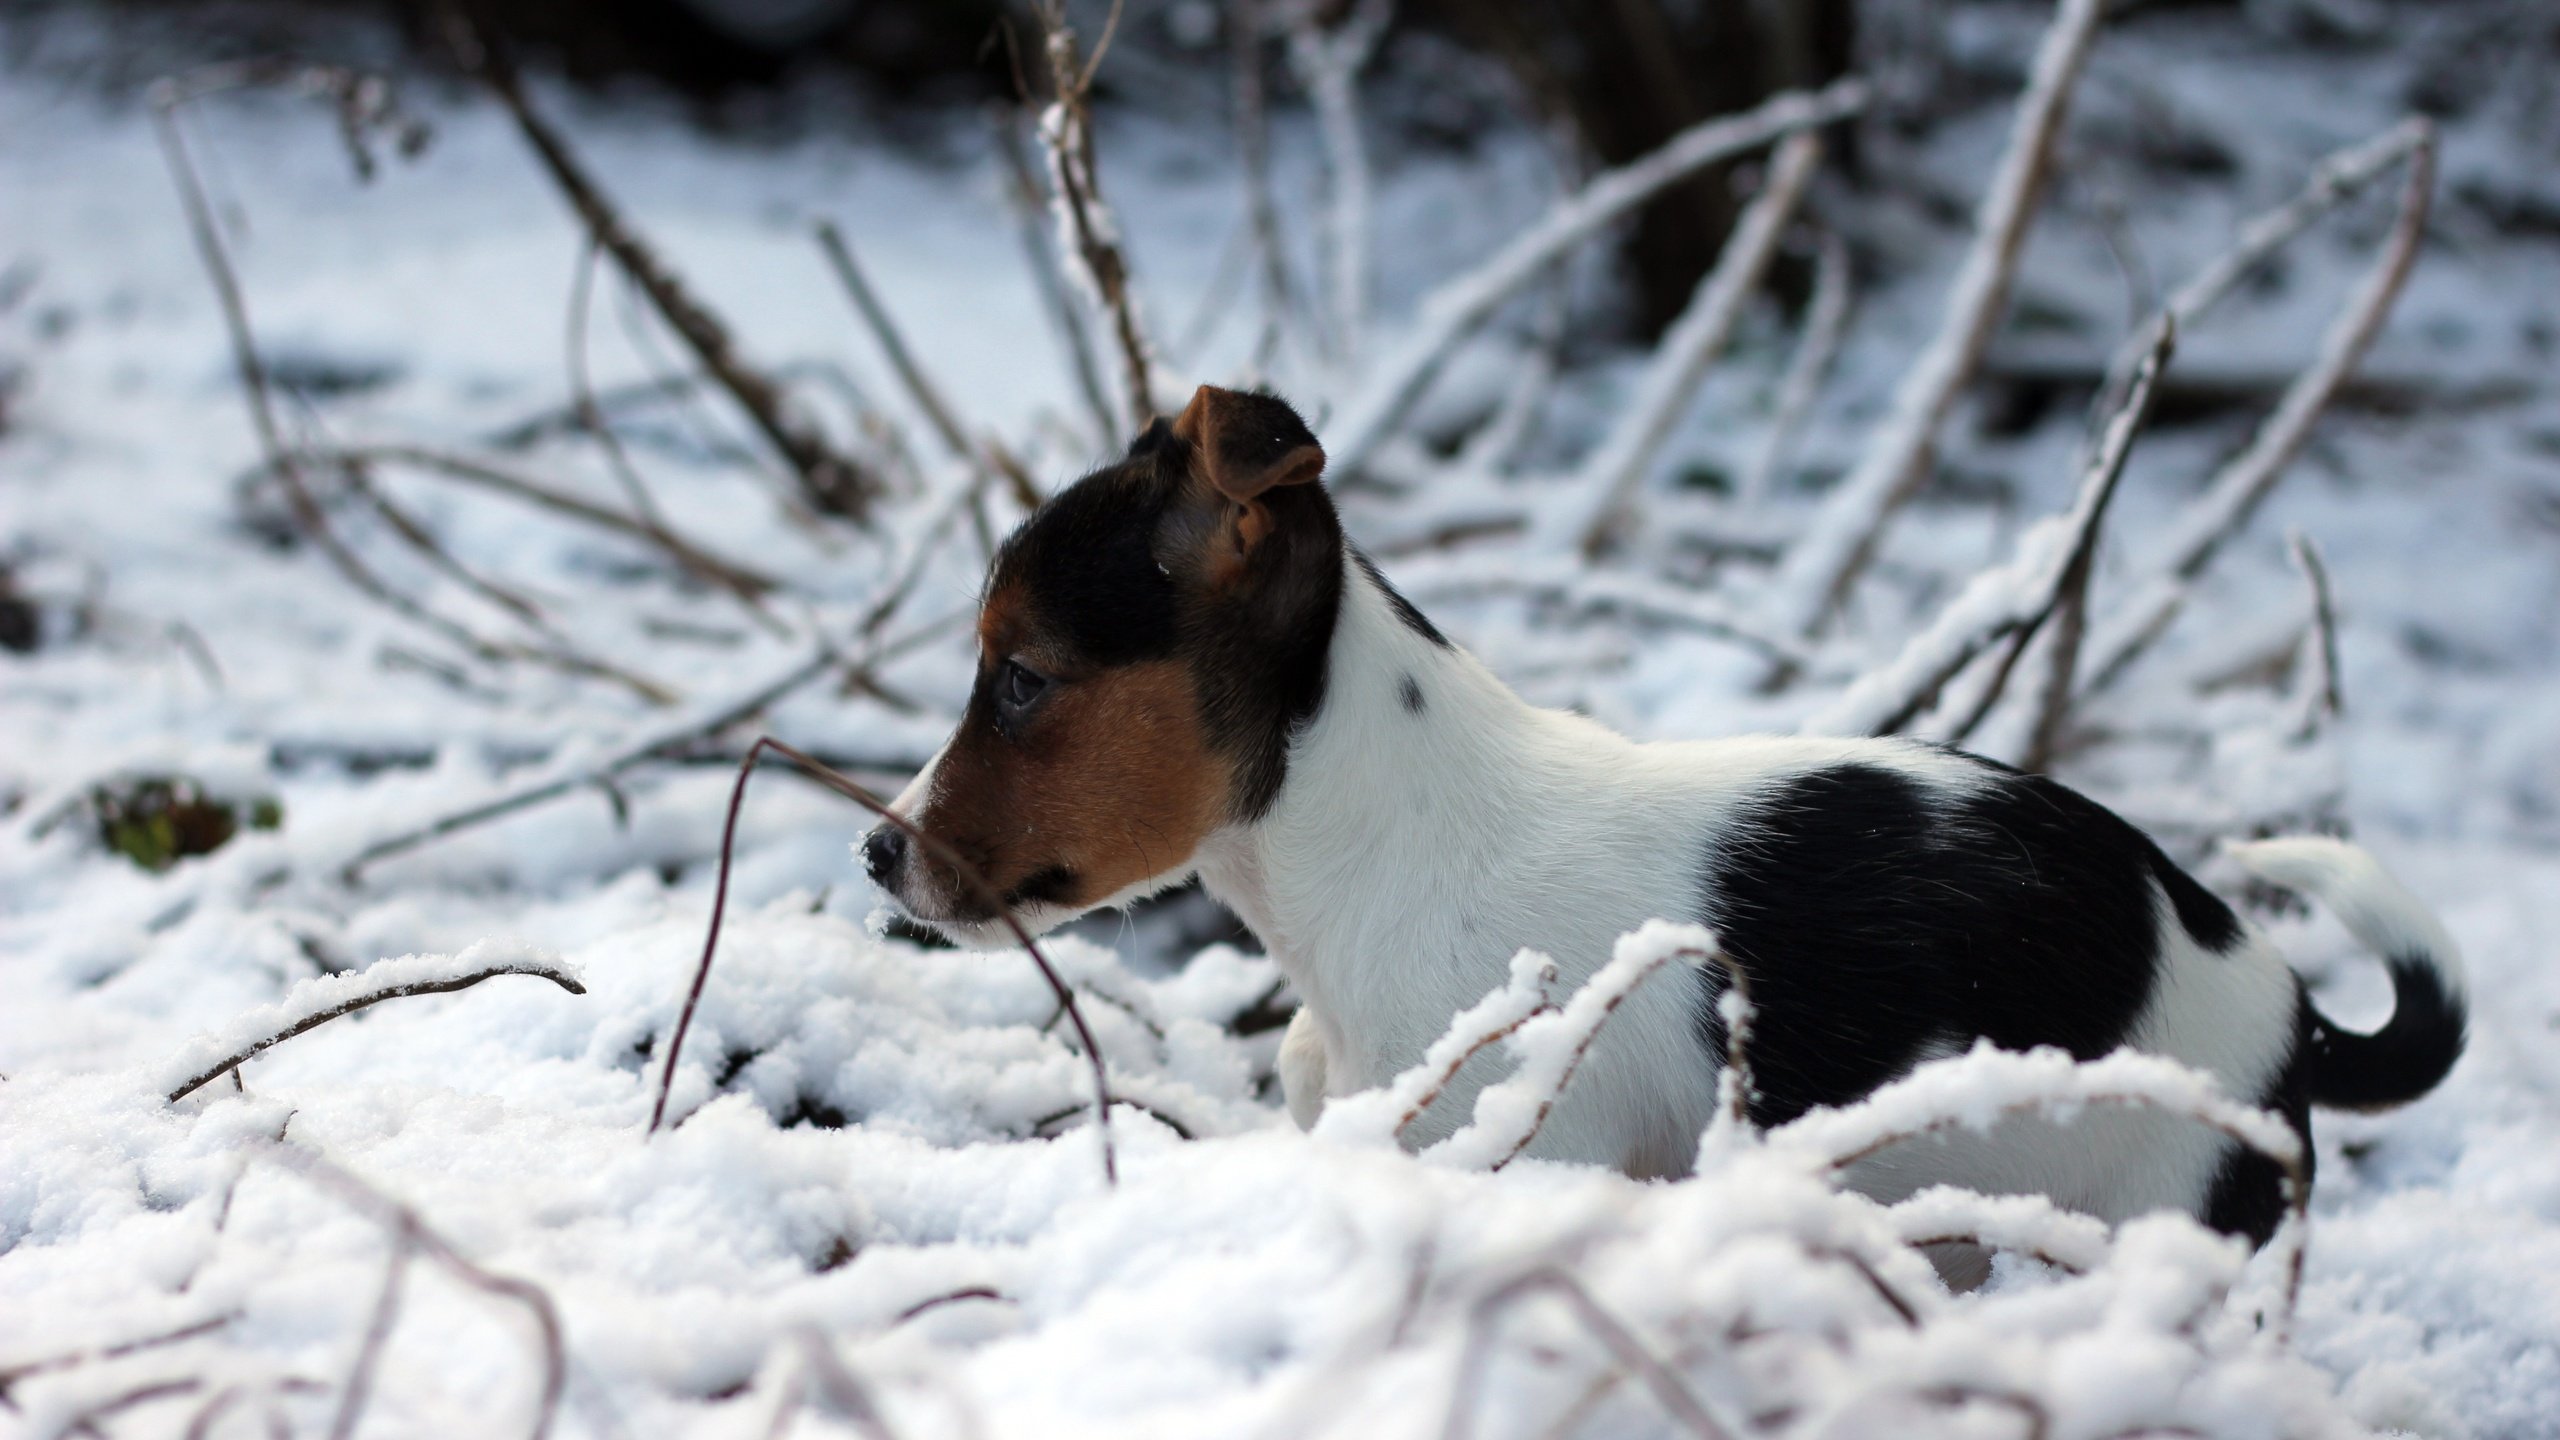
<point x="1875" y="916"/>
<point x="1411" y="618"/>
<point x="2247" y="1197"/>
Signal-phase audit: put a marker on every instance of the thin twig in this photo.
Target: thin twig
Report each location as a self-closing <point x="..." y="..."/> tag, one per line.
<point x="2236" y="490"/>
<point x="2021" y="596"/>
<point x="833" y="483"/>
<point x="1066" y="321"/>
<point x="377" y="1333"/>
<point x="985" y="454"/>
<point x="1826" y="321"/>
<point x="1280" y="299"/>
<point x="1458" y="307"/>
<point x="10" y="1375"/>
<point x="968" y="874"/>
<point x="2323" y="700"/>
<point x="412" y="1229"/>
<point x="353" y="1003"/>
<point x="1328" y="65"/>
<point x="1842" y="538"/>
<point x="1088" y="233"/>
<point x="1616" y="470"/>
<point x="1674" y="1394"/>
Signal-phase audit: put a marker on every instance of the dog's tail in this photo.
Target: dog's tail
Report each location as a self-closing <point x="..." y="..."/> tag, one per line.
<point x="2408" y="1055"/>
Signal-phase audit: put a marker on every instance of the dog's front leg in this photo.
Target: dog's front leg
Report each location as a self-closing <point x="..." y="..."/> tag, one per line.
<point x="1302" y="1069"/>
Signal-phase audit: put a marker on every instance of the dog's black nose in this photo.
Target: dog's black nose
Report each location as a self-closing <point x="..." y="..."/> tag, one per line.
<point x="883" y="853"/>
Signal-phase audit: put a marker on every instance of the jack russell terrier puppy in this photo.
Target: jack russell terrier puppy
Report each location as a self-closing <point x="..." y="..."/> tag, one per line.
<point x="1185" y="669"/>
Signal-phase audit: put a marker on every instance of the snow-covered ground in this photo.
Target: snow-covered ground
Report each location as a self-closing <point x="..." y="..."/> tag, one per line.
<point x="882" y="1211"/>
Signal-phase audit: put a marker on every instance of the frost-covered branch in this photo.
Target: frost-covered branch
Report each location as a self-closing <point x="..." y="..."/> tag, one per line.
<point x="1844" y="533"/>
<point x="2028" y="1225"/>
<point x="324" y="998"/>
<point x="2320" y="697"/>
<point x="1613" y="475"/>
<point x="1088" y="232"/>
<point x="1550" y="1047"/>
<point x="1328" y="64"/>
<point x="1826" y="321"/>
<point x="2234" y="493"/>
<point x="1631" y="1353"/>
<point x="2012" y="600"/>
<point x="1453" y="311"/>
<point x="1381" y="1116"/>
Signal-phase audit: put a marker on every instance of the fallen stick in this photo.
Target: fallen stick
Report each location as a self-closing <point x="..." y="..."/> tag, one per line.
<point x="985" y="454"/>
<point x="1616" y="470"/>
<point x="1454" y="310"/>
<point x="968" y="875"/>
<point x="317" y="1001"/>
<point x="1842" y="537"/>
<point x="833" y="483"/>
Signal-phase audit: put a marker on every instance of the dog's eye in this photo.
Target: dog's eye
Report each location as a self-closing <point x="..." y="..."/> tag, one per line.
<point x="1017" y="685"/>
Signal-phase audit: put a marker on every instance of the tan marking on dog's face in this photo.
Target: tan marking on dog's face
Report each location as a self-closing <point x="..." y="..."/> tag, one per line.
<point x="1107" y="780"/>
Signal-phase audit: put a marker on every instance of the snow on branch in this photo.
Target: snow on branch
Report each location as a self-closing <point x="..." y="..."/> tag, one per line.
<point x="317" y="1001"/>
<point x="1328" y="64"/>
<point x="2028" y="1225"/>
<point x="2007" y="601"/>
<point x="1835" y="548"/>
<point x="1381" y="1116"/>
<point x="1550" y="1046"/>
<point x="1615" y="471"/>
<point x="2234" y="493"/>
<point x="1452" y="312"/>
<point x="1826" y="321"/>
<point x="1088" y="232"/>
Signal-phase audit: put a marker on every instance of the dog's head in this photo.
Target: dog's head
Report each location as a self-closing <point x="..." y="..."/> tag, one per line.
<point x="1147" y="641"/>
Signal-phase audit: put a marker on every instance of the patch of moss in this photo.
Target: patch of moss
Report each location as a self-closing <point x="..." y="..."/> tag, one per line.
<point x="158" y="820"/>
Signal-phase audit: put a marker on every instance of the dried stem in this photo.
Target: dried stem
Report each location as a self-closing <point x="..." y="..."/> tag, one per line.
<point x="354" y="1003"/>
<point x="1328" y="64"/>
<point x="1022" y="191"/>
<point x="1590" y="1035"/>
<point x="1826" y="321"/>
<point x="832" y="482"/>
<point x="2236" y="490"/>
<point x="377" y="1333"/>
<point x="1280" y="301"/>
<point x="1888" y="700"/>
<point x="1457" y="308"/>
<point x="410" y="1231"/>
<point x="1089" y="235"/>
<point x="1843" y="536"/>
<point x="968" y="874"/>
<point x="2322" y="698"/>
<point x="1616" y="470"/>
<point x="986" y="455"/>
<point x="10" y="1375"/>
<point x="1673" y="1393"/>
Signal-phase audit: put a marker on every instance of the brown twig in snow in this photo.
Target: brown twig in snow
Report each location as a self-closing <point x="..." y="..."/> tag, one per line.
<point x="377" y="1333"/>
<point x="1066" y="321"/>
<point x="354" y="1003"/>
<point x="10" y="1375"/>
<point x="1582" y="1047"/>
<point x="832" y="482"/>
<point x="968" y="875"/>
<point x="1089" y="234"/>
<point x="1616" y="470"/>
<point x="1844" y="533"/>
<point x="986" y="454"/>
<point x="411" y="1231"/>
<point x="1631" y="1353"/>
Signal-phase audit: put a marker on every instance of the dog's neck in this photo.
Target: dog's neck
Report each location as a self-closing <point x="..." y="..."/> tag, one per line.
<point x="1392" y="852"/>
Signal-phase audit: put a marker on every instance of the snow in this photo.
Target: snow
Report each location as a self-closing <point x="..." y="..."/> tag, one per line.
<point x="879" y="1189"/>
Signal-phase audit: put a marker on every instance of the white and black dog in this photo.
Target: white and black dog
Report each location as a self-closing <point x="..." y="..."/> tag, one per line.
<point x="1186" y="670"/>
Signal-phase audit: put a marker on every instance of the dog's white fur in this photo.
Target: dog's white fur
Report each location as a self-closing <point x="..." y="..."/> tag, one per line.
<point x="1408" y="856"/>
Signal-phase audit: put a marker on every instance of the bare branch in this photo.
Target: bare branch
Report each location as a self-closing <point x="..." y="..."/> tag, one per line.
<point x="1088" y="233"/>
<point x="1842" y="538"/>
<point x="2322" y="698"/>
<point x="832" y="482"/>
<point x="985" y="454"/>
<point x="1826" y="321"/>
<point x="1453" y="311"/>
<point x="968" y="875"/>
<point x="2014" y="600"/>
<point x="360" y="999"/>
<point x="377" y="1333"/>
<point x="2236" y="490"/>
<point x="10" y="1375"/>
<point x="1066" y="321"/>
<point x="1673" y="1393"/>
<point x="1328" y="64"/>
<point x="1280" y="301"/>
<point x="1615" y="472"/>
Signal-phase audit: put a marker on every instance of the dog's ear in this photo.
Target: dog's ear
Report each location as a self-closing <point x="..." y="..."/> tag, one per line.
<point x="1246" y="443"/>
